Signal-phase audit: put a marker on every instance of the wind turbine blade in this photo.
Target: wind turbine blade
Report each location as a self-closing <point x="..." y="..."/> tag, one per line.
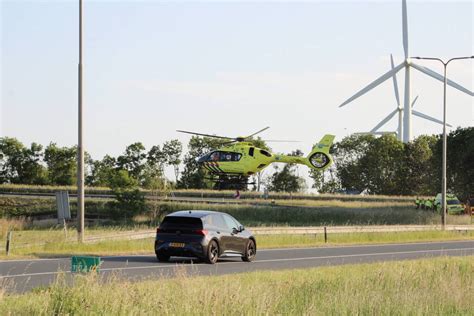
<point x="405" y="28"/>
<point x="413" y="103"/>
<point x="263" y="129"/>
<point x="429" y="118"/>
<point x="395" y="84"/>
<point x="382" y="122"/>
<point x="375" y="83"/>
<point x="439" y="77"/>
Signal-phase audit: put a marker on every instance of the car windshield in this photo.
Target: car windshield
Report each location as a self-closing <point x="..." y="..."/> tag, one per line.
<point x="181" y="222"/>
<point x="453" y="202"/>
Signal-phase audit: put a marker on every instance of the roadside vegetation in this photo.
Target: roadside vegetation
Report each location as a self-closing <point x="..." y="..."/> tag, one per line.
<point x="441" y="286"/>
<point x="254" y="213"/>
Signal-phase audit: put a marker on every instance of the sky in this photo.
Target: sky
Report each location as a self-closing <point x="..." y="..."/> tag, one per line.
<point x="223" y="67"/>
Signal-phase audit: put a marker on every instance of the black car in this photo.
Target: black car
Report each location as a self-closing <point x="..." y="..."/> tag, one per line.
<point x="203" y="234"/>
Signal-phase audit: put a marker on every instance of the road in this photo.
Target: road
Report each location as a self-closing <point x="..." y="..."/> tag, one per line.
<point x="24" y="275"/>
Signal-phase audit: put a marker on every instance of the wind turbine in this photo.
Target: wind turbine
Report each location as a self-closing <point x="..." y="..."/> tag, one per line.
<point x="407" y="64"/>
<point x="399" y="110"/>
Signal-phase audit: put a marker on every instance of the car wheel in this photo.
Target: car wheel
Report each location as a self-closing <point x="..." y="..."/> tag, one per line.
<point x="212" y="252"/>
<point x="250" y="251"/>
<point x="162" y="257"/>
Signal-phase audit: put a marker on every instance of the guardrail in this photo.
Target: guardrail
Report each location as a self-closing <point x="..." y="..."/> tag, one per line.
<point x="301" y="231"/>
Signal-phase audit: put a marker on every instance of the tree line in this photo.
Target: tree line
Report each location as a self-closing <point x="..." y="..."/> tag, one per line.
<point x="363" y="163"/>
<point x="384" y="165"/>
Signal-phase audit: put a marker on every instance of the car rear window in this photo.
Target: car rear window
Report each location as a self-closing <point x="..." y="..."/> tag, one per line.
<point x="184" y="223"/>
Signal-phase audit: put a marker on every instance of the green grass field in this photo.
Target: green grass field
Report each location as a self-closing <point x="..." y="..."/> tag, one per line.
<point x="441" y="286"/>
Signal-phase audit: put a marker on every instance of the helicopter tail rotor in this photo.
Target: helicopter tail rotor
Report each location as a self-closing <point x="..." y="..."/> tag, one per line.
<point x="319" y="158"/>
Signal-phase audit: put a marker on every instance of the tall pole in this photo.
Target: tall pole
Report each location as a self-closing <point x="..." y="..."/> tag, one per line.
<point x="443" y="173"/>
<point x="444" y="183"/>
<point x="80" y="146"/>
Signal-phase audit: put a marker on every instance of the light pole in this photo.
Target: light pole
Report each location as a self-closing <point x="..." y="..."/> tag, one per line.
<point x="80" y="146"/>
<point x="443" y="176"/>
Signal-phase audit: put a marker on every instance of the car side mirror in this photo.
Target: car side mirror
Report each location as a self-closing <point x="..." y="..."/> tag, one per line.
<point x="241" y="228"/>
<point x="235" y="231"/>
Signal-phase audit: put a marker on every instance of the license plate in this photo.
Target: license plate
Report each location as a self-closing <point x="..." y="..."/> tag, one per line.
<point x="177" y="244"/>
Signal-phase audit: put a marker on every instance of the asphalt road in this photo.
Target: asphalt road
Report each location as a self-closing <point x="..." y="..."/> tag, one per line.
<point x="24" y="275"/>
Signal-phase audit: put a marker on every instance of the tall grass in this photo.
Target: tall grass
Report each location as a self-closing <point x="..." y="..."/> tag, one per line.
<point x="441" y="286"/>
<point x="258" y="213"/>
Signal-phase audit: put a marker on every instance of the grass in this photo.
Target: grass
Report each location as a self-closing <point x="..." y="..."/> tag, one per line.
<point x="441" y="286"/>
<point x="52" y="243"/>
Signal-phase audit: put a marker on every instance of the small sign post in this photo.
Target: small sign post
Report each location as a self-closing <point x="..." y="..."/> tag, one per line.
<point x="62" y="203"/>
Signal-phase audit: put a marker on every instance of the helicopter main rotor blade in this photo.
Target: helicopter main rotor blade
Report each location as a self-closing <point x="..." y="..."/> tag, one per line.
<point x="263" y="129"/>
<point x="281" y="141"/>
<point x="206" y="135"/>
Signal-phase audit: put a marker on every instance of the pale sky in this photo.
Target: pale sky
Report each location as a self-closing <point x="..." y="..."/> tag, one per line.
<point x="228" y="68"/>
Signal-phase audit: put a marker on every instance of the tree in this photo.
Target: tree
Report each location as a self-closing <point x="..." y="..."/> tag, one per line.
<point x="347" y="155"/>
<point x="172" y="151"/>
<point x="130" y="200"/>
<point x="19" y="164"/>
<point x="417" y="171"/>
<point x="286" y="180"/>
<point x="460" y="162"/>
<point x="102" y="171"/>
<point x="133" y="160"/>
<point x="61" y="163"/>
<point x="381" y="164"/>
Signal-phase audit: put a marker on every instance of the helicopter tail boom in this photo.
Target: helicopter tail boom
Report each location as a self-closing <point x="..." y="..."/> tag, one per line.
<point x="319" y="157"/>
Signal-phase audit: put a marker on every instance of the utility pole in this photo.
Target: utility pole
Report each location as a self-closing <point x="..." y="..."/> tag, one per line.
<point x="443" y="176"/>
<point x="80" y="146"/>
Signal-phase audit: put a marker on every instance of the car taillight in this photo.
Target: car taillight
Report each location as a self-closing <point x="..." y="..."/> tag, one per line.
<point x="202" y="232"/>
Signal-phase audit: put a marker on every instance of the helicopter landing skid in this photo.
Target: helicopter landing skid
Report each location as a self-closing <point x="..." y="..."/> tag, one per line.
<point x="231" y="182"/>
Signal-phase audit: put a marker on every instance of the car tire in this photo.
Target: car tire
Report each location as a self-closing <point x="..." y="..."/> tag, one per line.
<point x="212" y="252"/>
<point x="250" y="251"/>
<point x="162" y="257"/>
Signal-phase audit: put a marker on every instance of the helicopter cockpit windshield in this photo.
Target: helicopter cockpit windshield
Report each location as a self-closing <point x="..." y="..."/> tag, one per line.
<point x="222" y="156"/>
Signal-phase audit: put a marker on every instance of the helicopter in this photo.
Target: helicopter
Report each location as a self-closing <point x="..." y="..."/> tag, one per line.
<point x="231" y="165"/>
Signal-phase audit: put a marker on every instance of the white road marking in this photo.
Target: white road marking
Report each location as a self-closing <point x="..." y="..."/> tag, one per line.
<point x="257" y="261"/>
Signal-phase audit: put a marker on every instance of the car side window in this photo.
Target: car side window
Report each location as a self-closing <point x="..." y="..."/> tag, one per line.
<point x="231" y="223"/>
<point x="218" y="221"/>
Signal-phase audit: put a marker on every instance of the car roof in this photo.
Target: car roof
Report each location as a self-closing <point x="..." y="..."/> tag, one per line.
<point x="192" y="213"/>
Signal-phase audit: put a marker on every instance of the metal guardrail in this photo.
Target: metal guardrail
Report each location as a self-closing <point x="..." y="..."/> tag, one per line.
<point x="301" y="231"/>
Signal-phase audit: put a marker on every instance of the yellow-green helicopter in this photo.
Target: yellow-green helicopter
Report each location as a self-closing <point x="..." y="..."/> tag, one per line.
<point x="238" y="159"/>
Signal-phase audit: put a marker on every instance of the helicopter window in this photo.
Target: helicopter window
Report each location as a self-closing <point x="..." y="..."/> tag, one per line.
<point x="251" y="151"/>
<point x="224" y="156"/>
<point x="265" y="153"/>
<point x="215" y="156"/>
